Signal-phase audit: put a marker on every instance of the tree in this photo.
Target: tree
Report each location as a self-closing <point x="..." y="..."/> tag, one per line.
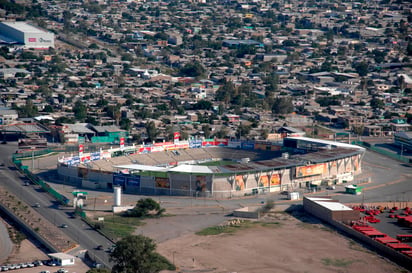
<point x="29" y="110"/>
<point x="146" y="207"/>
<point x="243" y="130"/>
<point x="151" y="131"/>
<point x="80" y="110"/>
<point x="136" y="254"/>
<point x="377" y="103"/>
<point x="194" y="69"/>
<point x="206" y="130"/>
<point x="282" y="105"/>
<point x="361" y="68"/>
<point x="48" y="108"/>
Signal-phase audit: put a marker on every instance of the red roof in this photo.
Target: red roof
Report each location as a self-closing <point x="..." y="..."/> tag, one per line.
<point x="373" y="233"/>
<point x="387" y="239"/>
<point x="400" y="246"/>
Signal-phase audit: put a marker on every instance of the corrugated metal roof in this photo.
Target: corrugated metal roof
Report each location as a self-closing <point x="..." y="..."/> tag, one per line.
<point x="23" y="26"/>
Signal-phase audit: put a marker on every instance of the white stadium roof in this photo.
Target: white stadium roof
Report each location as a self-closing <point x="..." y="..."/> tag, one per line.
<point x="140" y="167"/>
<point x="329" y="142"/>
<point x="177" y="169"/>
<point x="191" y="169"/>
<point x="24" y="27"/>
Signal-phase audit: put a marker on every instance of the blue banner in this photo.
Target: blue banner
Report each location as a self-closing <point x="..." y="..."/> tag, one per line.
<point x="248" y="145"/>
<point x="133" y="181"/>
<point x="76" y="160"/>
<point x="95" y="156"/>
<point x="119" y="179"/>
<point x="197" y="143"/>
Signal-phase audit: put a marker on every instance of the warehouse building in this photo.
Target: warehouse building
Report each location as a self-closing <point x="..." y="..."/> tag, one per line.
<point x="329" y="209"/>
<point x="25" y="35"/>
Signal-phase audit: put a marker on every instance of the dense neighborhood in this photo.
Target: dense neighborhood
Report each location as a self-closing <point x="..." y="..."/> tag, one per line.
<point x="208" y="69"/>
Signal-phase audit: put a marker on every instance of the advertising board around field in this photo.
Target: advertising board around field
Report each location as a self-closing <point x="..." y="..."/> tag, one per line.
<point x="248" y="145"/>
<point x="317" y="169"/>
<point x="239" y="183"/>
<point x="95" y="156"/>
<point x="162" y="182"/>
<point x="133" y="181"/>
<point x="196" y="143"/>
<point x="201" y="183"/>
<point x="119" y="179"/>
<point x="272" y="181"/>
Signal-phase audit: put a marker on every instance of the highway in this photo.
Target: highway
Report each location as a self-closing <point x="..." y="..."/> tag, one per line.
<point x="77" y="230"/>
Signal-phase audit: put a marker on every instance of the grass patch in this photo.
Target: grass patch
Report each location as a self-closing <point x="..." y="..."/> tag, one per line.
<point x="271" y="224"/>
<point x="217" y="163"/>
<point x="222" y="229"/>
<point x="307" y="225"/>
<point x="355" y="246"/>
<point x="337" y="262"/>
<point x="118" y="226"/>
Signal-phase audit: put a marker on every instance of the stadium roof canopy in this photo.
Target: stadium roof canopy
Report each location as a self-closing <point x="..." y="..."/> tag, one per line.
<point x="139" y="167"/>
<point x="327" y="142"/>
<point x="191" y="169"/>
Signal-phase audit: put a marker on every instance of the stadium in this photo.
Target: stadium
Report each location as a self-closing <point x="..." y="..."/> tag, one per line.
<point x="215" y="168"/>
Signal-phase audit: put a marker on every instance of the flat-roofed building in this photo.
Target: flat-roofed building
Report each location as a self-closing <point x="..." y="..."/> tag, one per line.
<point x="27" y="35"/>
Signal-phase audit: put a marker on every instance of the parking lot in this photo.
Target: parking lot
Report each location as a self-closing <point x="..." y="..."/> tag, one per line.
<point x="389" y="225"/>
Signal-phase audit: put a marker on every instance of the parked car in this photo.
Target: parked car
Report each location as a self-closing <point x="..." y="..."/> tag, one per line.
<point x="51" y="263"/>
<point x="62" y="270"/>
<point x="38" y="263"/>
<point x="45" y="271"/>
<point x="99" y="247"/>
<point x="63" y="225"/>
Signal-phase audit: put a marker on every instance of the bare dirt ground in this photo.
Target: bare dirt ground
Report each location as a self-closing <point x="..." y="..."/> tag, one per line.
<point x="279" y="242"/>
<point x="285" y="245"/>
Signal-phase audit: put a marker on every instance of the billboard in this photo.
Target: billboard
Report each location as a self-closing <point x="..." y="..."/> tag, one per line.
<point x="275" y="180"/>
<point x="310" y="170"/>
<point x="200" y="183"/>
<point x="95" y="156"/>
<point x="248" y="145"/>
<point x="239" y="183"/>
<point x="162" y="182"/>
<point x="133" y="181"/>
<point x="119" y="179"/>
<point x="264" y="181"/>
<point x="196" y="143"/>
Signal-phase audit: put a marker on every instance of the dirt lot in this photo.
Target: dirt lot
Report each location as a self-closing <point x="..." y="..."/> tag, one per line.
<point x="277" y="243"/>
<point x="285" y="245"/>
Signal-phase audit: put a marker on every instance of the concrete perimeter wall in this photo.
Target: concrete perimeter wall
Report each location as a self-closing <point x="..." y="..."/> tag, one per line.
<point x="382" y="249"/>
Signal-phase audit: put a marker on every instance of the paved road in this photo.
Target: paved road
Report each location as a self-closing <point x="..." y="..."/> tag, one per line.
<point x="50" y="209"/>
<point x="6" y="245"/>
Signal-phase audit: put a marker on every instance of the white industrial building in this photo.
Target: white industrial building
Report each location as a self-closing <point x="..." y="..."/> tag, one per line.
<point x="26" y="35"/>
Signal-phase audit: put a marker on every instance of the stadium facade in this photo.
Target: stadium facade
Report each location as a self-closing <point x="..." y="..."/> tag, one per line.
<point x="216" y="168"/>
<point x="25" y="35"/>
